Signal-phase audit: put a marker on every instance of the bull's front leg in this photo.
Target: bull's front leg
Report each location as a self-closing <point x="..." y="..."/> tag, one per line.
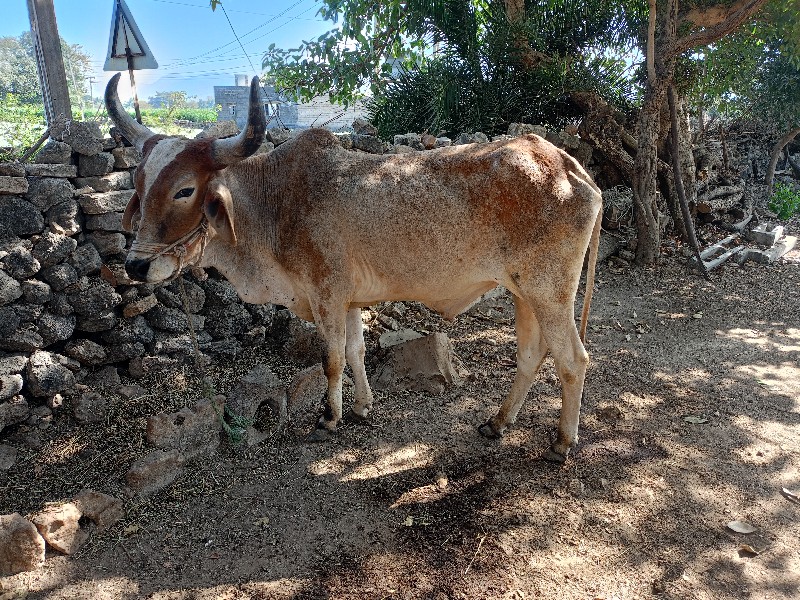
<point x="332" y="329"/>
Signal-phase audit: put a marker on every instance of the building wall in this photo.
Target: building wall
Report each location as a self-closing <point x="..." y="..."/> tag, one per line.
<point x="234" y="101"/>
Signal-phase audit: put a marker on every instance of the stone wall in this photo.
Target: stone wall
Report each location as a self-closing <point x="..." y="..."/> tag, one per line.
<point x="67" y="308"/>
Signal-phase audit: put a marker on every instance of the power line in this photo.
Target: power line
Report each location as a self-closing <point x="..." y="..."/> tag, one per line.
<point x="264" y="24"/>
<point x="244" y="12"/>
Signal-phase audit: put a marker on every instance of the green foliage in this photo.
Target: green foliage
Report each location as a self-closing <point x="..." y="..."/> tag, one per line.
<point x="785" y="201"/>
<point x="373" y="38"/>
<point x="21" y="125"/>
<point x="478" y="80"/>
<point x="18" y="74"/>
<point x="754" y="71"/>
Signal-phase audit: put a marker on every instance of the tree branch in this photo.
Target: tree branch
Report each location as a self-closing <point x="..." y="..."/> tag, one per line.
<point x="716" y="22"/>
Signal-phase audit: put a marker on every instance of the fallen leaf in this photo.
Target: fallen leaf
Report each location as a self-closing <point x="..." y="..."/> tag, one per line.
<point x="263" y="522"/>
<point x="748" y="549"/>
<point x="790" y="495"/>
<point x="695" y="419"/>
<point x="741" y="527"/>
<point x="130" y="530"/>
<point x="697" y="315"/>
<point x="409" y="521"/>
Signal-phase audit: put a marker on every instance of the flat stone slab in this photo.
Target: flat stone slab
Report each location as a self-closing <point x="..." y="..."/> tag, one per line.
<point x="51" y="170"/>
<point x="107" y="202"/>
<point x="13" y="186"/>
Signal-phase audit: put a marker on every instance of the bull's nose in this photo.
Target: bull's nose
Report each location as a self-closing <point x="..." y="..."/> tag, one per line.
<point x="137" y="268"/>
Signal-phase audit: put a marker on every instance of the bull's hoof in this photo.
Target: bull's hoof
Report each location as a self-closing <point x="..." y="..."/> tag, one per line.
<point x="357" y="419"/>
<point x="487" y="430"/>
<point x="554" y="457"/>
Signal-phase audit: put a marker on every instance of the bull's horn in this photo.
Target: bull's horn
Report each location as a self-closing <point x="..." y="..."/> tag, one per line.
<point x="228" y="151"/>
<point x="136" y="133"/>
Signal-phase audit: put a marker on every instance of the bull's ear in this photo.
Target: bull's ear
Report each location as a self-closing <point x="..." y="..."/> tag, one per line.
<point x="218" y="206"/>
<point x="131" y="213"/>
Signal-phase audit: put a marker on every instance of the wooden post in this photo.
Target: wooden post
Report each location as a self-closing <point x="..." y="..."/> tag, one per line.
<point x="50" y="62"/>
<point x="133" y="84"/>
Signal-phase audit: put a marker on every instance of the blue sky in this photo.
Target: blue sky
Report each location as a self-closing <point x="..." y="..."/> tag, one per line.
<point x="195" y="48"/>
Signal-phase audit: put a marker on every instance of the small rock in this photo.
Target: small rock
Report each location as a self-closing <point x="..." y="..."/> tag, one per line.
<point x="103" y="510"/>
<point x="140" y="306"/>
<point x="10" y="289"/>
<point x="131" y="392"/>
<point x="59" y="525"/>
<point x="10" y="386"/>
<point x="308" y="387"/>
<point x="126" y="157"/>
<point x="53" y="153"/>
<point x="90" y="408"/>
<point x="576" y="487"/>
<point x="21" y="546"/>
<point x="46" y="375"/>
<point x="155" y="471"/>
<point x="192" y="431"/>
<point x="8" y="456"/>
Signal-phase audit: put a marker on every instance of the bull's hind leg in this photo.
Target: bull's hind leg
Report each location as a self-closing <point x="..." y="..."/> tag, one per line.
<point x="355" y="352"/>
<point x="332" y="329"/>
<point x="531" y="350"/>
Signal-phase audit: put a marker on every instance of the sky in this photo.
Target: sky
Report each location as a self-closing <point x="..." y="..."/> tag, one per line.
<point x="195" y="47"/>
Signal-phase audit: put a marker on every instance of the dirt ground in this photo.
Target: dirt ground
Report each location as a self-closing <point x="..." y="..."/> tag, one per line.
<point x="690" y="421"/>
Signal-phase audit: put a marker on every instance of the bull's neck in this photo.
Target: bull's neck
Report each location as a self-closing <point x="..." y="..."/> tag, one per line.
<point x="250" y="263"/>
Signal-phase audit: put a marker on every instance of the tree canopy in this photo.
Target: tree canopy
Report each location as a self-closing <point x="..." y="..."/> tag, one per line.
<point x="18" y="74"/>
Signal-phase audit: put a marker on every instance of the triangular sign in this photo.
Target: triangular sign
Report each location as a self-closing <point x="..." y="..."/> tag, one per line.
<point x="125" y="38"/>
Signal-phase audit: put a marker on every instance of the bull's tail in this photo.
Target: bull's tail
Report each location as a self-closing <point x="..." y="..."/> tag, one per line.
<point x="590" y="267"/>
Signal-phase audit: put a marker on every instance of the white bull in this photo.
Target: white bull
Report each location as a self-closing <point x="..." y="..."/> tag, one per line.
<point x="325" y="232"/>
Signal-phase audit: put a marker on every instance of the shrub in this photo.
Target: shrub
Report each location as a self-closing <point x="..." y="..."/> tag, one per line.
<point x="785" y="201"/>
<point x="20" y="126"/>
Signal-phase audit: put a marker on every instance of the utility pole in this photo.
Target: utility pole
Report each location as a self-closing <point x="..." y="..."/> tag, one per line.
<point x="91" y="80"/>
<point x="50" y="62"/>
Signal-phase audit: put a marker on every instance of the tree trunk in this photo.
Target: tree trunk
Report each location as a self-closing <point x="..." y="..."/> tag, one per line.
<point x="645" y="169"/>
<point x="660" y="67"/>
<point x="776" y="154"/>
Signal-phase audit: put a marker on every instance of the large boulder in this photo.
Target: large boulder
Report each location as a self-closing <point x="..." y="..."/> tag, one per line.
<point x="426" y="364"/>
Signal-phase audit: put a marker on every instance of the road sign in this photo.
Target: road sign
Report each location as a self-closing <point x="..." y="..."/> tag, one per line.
<point x="127" y="49"/>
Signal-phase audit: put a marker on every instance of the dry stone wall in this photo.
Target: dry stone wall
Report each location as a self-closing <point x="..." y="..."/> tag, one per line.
<point x="67" y="308"/>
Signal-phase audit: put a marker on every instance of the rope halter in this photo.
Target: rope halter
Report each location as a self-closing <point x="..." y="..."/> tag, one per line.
<point x="179" y="248"/>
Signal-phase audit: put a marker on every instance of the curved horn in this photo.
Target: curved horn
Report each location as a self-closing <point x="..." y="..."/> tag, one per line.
<point x="228" y="151"/>
<point x="136" y="133"/>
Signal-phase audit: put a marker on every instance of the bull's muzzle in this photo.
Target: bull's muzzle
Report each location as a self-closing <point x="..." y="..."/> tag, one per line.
<point x="136" y="268"/>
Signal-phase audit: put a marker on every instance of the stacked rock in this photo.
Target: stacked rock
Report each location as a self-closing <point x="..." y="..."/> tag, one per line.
<point x="66" y="305"/>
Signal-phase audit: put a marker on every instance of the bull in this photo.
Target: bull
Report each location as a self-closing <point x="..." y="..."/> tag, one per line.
<point x="326" y="232"/>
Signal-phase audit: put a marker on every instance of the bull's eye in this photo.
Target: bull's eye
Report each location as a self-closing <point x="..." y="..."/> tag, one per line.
<point x="184" y="193"/>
